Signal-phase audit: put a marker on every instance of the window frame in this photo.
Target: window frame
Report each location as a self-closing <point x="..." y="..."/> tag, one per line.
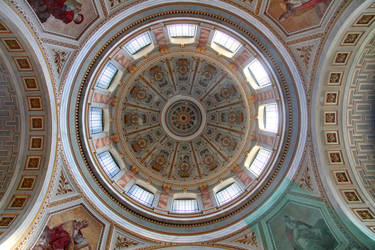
<point x="195" y="206"/>
<point x="143" y="191"/>
<point x="108" y="163"/>
<point x="228" y="38"/>
<point x="258" y="81"/>
<point x="174" y="25"/>
<point x="271" y="115"/>
<point x="104" y="74"/>
<point x="132" y="42"/>
<point x="221" y="47"/>
<point x="258" y="163"/>
<point x="95" y="130"/>
<point x="223" y="201"/>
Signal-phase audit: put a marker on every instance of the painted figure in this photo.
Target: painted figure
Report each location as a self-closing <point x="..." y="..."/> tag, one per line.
<point x="304" y="236"/>
<point x="64" y="10"/>
<point x="291" y="6"/>
<point x="66" y="236"/>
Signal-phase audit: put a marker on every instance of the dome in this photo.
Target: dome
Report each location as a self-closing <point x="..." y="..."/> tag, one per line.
<point x="181" y="123"/>
<point x="167" y="124"/>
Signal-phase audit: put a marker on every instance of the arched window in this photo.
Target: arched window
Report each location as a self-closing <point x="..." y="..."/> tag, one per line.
<point x="258" y="73"/>
<point x="182" y="30"/>
<point x="141" y="195"/>
<point x="106" y="76"/>
<point x="182" y="33"/>
<point x="226" y="41"/>
<point x="108" y="164"/>
<point x="96" y="120"/>
<point x="225" y="44"/>
<point x="185" y="206"/>
<point x="268" y="117"/>
<point x="138" y="43"/>
<point x="260" y="161"/>
<point x="228" y="193"/>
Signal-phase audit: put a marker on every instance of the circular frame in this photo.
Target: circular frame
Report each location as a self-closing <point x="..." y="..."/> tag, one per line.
<point x="290" y="157"/>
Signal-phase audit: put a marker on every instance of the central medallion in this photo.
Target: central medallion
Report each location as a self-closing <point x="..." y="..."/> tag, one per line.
<point x="183" y="118"/>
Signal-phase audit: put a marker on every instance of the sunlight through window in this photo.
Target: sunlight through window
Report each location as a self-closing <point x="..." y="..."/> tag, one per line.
<point x="185" y="206"/>
<point x="108" y="164"/>
<point x="138" y="43"/>
<point x="182" y="30"/>
<point x="106" y="76"/>
<point x="96" y="120"/>
<point x="226" y="41"/>
<point x="260" y="162"/>
<point x="258" y="72"/>
<point x="141" y="195"/>
<point x="228" y="193"/>
<point x="271" y="118"/>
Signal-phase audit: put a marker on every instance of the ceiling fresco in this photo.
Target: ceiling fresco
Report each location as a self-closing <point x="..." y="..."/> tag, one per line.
<point x="65" y="18"/>
<point x="183" y="122"/>
<point x="190" y="134"/>
<point x="294" y="16"/>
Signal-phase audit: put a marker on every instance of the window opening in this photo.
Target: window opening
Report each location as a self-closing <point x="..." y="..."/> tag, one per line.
<point x="96" y="120"/>
<point x="138" y="43"/>
<point x="106" y="76"/>
<point x="141" y="195"/>
<point x="228" y="193"/>
<point x="108" y="163"/>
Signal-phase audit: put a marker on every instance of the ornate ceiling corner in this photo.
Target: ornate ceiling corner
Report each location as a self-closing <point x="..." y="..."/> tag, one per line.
<point x="125" y="242"/>
<point x="63" y="187"/>
<point x="305" y="54"/>
<point x="59" y="58"/>
<point x="307" y="178"/>
<point x="289" y="19"/>
<point x="248" y="239"/>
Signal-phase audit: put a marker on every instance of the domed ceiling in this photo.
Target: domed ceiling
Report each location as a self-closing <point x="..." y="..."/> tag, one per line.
<point x="183" y="126"/>
<point x="190" y="125"/>
<point x="184" y="121"/>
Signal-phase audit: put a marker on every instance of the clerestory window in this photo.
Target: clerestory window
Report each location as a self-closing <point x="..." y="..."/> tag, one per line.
<point x="141" y="195"/>
<point x="260" y="161"/>
<point x="182" y="30"/>
<point x="108" y="164"/>
<point x="258" y="73"/>
<point x="138" y="43"/>
<point x="106" y="76"/>
<point x="226" y="41"/>
<point x="228" y="193"/>
<point x="95" y="120"/>
<point x="185" y="206"/>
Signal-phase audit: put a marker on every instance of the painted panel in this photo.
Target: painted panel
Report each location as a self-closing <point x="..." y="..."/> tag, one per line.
<point x="64" y="17"/>
<point x="300" y="227"/>
<point x="296" y="15"/>
<point x="73" y="228"/>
